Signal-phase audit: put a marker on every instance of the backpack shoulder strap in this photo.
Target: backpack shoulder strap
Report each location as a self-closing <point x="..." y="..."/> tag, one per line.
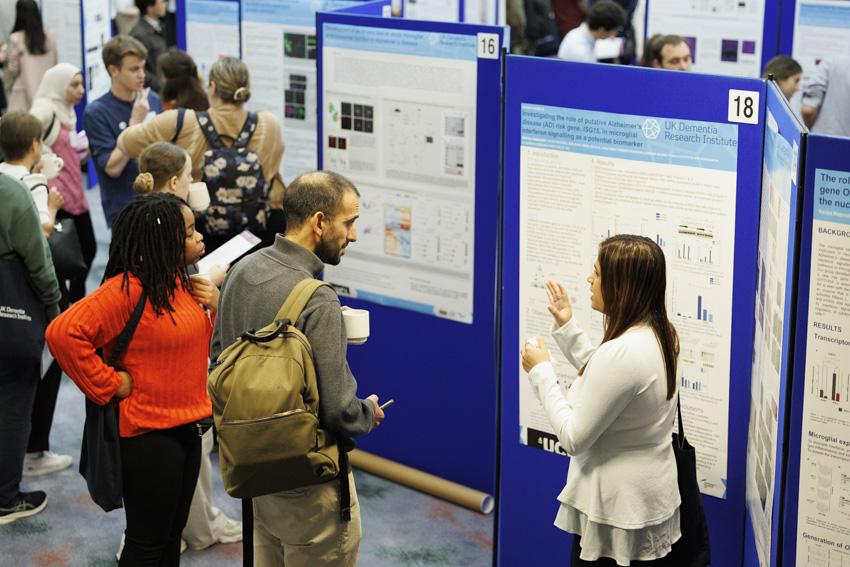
<point x="205" y="122"/>
<point x="298" y="298"/>
<point x="247" y="131"/>
<point x="181" y="115"/>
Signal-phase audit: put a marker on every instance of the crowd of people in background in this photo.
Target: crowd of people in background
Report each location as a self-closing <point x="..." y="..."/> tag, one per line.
<point x="602" y="31"/>
<point x="160" y="127"/>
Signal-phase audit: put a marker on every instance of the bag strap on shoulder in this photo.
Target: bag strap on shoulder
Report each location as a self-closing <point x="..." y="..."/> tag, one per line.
<point x="247" y="131"/>
<point x="681" y="441"/>
<point x="205" y="122"/>
<point x="298" y="298"/>
<point x="129" y="329"/>
<point x="181" y="115"/>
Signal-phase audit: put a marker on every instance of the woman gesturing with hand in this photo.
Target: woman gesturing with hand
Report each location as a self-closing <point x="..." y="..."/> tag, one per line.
<point x="621" y="500"/>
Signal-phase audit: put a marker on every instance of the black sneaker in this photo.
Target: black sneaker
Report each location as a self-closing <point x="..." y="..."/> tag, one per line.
<point x="25" y="505"/>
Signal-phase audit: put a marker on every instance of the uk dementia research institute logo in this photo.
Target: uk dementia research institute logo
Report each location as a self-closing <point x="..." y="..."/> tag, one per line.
<point x="651" y="128"/>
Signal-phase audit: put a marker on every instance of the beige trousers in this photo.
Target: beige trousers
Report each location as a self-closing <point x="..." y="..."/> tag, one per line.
<point x="302" y="528"/>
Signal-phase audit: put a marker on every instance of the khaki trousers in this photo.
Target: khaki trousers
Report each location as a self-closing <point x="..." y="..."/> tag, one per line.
<point x="302" y="528"/>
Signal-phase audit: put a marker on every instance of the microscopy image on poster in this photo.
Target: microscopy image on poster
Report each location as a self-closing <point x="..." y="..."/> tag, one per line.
<point x="821" y="30"/>
<point x="279" y="46"/>
<point x="823" y="513"/>
<point x="585" y="176"/>
<point x="769" y="366"/>
<point x="212" y="31"/>
<point x="725" y="37"/>
<point x="398" y="120"/>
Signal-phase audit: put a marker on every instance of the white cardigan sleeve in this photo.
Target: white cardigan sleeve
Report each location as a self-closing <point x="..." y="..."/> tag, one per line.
<point x="574" y="343"/>
<point x="608" y="385"/>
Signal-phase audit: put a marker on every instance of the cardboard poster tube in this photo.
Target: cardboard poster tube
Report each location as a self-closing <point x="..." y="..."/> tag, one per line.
<point x="423" y="482"/>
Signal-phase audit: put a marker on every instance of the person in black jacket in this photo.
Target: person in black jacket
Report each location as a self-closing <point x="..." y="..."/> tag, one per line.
<point x="151" y="32"/>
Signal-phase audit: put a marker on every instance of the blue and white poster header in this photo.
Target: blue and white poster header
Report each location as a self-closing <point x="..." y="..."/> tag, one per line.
<point x="290" y="12"/>
<point x="710" y="145"/>
<point x="832" y="196"/>
<point x="400" y="42"/>
<point x="213" y="12"/>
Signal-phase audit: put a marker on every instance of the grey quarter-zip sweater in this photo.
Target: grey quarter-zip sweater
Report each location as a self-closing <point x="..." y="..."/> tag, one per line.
<point x="251" y="296"/>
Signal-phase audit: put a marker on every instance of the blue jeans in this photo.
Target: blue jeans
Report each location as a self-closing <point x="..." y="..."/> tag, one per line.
<point x="18" y="384"/>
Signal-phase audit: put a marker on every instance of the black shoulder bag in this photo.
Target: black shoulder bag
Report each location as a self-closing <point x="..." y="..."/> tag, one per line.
<point x="692" y="549"/>
<point x="100" y="456"/>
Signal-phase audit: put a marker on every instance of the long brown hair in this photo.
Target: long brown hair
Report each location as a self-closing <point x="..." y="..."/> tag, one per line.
<point x="634" y="283"/>
<point x="182" y="84"/>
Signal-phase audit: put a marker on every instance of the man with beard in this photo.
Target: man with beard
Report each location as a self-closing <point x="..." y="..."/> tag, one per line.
<point x="321" y="207"/>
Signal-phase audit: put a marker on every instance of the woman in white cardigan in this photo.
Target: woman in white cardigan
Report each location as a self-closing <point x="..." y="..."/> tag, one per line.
<point x="621" y="499"/>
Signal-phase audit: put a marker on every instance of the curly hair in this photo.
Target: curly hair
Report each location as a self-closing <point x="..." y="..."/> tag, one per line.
<point x="148" y="241"/>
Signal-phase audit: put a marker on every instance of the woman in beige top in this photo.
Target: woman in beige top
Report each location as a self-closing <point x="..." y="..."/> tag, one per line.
<point x="30" y="52"/>
<point x="229" y="90"/>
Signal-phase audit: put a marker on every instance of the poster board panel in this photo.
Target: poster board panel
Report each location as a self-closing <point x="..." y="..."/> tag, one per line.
<point x="815" y="514"/>
<point x="774" y="315"/>
<point x="541" y="127"/>
<point x="278" y="39"/>
<point x="420" y="212"/>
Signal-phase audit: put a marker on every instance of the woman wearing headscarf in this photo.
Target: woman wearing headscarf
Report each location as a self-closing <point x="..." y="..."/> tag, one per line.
<point x="61" y="89"/>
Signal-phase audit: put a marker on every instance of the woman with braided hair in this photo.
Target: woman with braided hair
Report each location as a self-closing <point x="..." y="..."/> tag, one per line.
<point x="161" y="379"/>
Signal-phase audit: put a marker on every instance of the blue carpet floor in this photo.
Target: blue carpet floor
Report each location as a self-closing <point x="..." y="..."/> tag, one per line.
<point x="401" y="527"/>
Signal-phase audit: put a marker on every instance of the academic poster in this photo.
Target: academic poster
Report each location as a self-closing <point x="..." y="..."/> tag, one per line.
<point x="399" y="119"/>
<point x="62" y="17"/>
<point x="97" y="29"/>
<point x="585" y="176"/>
<point x="821" y="30"/>
<point x="823" y="513"/>
<point x="774" y="297"/>
<point x="212" y="31"/>
<point x="725" y="37"/>
<point x="279" y="47"/>
<point x="433" y="10"/>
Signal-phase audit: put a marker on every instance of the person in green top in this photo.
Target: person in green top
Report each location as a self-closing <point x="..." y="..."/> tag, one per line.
<point x="21" y="240"/>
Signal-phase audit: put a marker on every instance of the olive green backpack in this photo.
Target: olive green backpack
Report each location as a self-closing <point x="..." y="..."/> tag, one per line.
<point x="266" y="409"/>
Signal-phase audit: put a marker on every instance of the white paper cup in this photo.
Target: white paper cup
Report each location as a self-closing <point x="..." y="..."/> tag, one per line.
<point x="199" y="196"/>
<point x="51" y="165"/>
<point x="356" y="325"/>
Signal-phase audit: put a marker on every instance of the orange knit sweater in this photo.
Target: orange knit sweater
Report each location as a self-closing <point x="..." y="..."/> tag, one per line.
<point x="166" y="359"/>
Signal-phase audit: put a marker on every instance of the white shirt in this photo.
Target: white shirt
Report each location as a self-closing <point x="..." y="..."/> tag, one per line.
<point x="35" y="183"/>
<point x="617" y="425"/>
<point x="577" y="45"/>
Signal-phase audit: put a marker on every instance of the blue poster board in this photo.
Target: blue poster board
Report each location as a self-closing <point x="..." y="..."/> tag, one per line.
<point x="775" y="311"/>
<point x="442" y="373"/>
<point x="531" y="478"/>
<point x="816" y="478"/>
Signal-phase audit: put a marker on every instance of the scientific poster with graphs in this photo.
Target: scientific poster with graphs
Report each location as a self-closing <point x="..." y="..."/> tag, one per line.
<point x="279" y="47"/>
<point x="399" y="119"/>
<point x="823" y="501"/>
<point x="725" y="37"/>
<point x="97" y="29"/>
<point x="586" y="176"/>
